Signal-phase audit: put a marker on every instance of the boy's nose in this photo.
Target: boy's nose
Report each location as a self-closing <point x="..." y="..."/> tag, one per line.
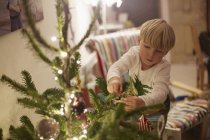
<point x="151" y="54"/>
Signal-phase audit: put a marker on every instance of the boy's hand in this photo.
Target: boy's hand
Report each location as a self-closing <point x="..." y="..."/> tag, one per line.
<point x="132" y="102"/>
<point x="114" y="86"/>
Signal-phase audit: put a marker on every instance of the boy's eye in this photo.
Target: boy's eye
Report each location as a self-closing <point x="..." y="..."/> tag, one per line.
<point x="159" y="51"/>
<point x="146" y="46"/>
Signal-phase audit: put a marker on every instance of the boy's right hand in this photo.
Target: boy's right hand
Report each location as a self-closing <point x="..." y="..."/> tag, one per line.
<point x="114" y="86"/>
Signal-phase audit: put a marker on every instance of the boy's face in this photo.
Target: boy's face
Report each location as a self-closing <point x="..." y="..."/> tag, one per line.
<point x="150" y="56"/>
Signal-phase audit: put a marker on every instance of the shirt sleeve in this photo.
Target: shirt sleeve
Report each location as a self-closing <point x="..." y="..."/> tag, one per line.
<point x="128" y="60"/>
<point x="160" y="86"/>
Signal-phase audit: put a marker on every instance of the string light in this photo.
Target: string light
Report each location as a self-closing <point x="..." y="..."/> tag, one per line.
<point x="53" y="38"/>
<point x="78" y="62"/>
<point x="84" y="131"/>
<point x="63" y="54"/>
<point x="75" y="138"/>
<point x="60" y="71"/>
<point x="56" y="78"/>
<point x="83" y="137"/>
<point x="72" y="96"/>
<point x="73" y="82"/>
<point x="69" y="100"/>
<point x="62" y="111"/>
<point x="85" y="110"/>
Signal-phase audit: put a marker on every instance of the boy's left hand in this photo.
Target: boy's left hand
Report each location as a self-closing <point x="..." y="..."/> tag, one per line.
<point x="132" y="102"/>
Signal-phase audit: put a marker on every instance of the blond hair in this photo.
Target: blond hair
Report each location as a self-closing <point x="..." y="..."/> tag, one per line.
<point x="157" y="33"/>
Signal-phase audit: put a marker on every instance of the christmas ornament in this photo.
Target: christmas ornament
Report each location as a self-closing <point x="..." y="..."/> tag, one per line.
<point x="78" y="104"/>
<point x="144" y="124"/>
<point x="78" y="107"/>
<point x="48" y="128"/>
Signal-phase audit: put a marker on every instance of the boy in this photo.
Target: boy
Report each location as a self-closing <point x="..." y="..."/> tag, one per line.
<point x="146" y="62"/>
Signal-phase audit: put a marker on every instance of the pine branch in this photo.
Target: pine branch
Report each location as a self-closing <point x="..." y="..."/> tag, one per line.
<point x="28" y="89"/>
<point x="63" y="20"/>
<point x="43" y="112"/>
<point x="53" y="94"/>
<point x="25" y="132"/>
<point x="28" y="125"/>
<point x="35" y="31"/>
<point x="30" y="103"/>
<point x="95" y="100"/>
<point x="13" y="84"/>
<point x="66" y="23"/>
<point x="102" y="85"/>
<point x="57" y="62"/>
<point x="119" y="111"/>
<point x="20" y="133"/>
<point x="140" y="88"/>
<point x="28" y="81"/>
<point x="61" y="120"/>
<point x="55" y="105"/>
<point x="36" y="47"/>
<point x="74" y="66"/>
<point x="60" y="23"/>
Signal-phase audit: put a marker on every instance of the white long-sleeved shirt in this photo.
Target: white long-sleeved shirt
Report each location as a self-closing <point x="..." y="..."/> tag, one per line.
<point x="156" y="77"/>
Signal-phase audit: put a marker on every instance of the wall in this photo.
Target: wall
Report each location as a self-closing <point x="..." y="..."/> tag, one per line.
<point x="181" y="15"/>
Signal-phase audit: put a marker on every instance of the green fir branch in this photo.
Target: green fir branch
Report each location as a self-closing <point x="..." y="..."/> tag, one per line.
<point x="102" y="85"/>
<point x="119" y="111"/>
<point x="53" y="94"/>
<point x="74" y="66"/>
<point x="93" y="129"/>
<point x="60" y="23"/>
<point x="30" y="103"/>
<point x="57" y="62"/>
<point x="61" y="120"/>
<point x="55" y="106"/>
<point x="62" y="82"/>
<point x="112" y="121"/>
<point x="96" y="101"/>
<point x="66" y="23"/>
<point x="28" y="81"/>
<point x="43" y="112"/>
<point x="24" y="132"/>
<point x="28" y="125"/>
<point x="13" y="84"/>
<point x="28" y="88"/>
<point x="140" y="88"/>
<point x="36" y="47"/>
<point x="33" y="28"/>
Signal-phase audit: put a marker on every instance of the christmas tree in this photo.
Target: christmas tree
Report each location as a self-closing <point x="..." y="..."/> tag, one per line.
<point x="64" y="114"/>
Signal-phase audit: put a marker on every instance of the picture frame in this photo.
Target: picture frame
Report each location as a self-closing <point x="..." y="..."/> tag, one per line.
<point x="12" y="20"/>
